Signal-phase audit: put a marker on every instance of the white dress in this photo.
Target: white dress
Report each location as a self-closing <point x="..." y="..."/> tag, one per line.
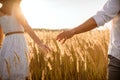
<point x="13" y="54"/>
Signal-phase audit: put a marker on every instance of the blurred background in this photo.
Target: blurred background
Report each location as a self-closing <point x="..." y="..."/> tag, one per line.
<point x="59" y="14"/>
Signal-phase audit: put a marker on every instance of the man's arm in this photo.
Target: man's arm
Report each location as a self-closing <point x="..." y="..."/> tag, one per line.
<point x="109" y="11"/>
<point x="86" y="26"/>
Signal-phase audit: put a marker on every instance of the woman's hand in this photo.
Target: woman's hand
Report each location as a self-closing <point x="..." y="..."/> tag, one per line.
<point x="65" y="35"/>
<point x="44" y="48"/>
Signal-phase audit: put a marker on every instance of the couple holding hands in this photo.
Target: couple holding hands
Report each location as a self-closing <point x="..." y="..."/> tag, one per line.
<point x="13" y="61"/>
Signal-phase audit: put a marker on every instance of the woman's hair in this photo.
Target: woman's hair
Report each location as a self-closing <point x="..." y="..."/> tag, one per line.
<point x="2" y="1"/>
<point x="7" y="5"/>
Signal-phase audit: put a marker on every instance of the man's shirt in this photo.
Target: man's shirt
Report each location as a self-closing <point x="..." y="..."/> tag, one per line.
<point x="111" y="11"/>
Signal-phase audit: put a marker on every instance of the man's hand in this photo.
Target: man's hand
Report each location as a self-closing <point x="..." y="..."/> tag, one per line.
<point x="65" y="35"/>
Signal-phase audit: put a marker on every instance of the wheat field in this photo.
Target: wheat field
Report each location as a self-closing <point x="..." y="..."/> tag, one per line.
<point x="83" y="57"/>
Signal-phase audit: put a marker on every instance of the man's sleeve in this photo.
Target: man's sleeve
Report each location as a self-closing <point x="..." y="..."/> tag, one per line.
<point x="108" y="12"/>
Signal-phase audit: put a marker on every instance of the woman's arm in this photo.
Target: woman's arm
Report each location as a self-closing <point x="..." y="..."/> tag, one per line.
<point x="28" y="28"/>
<point x="1" y="36"/>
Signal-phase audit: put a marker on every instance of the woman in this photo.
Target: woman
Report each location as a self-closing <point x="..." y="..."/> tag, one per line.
<point x="13" y="59"/>
<point x="110" y="11"/>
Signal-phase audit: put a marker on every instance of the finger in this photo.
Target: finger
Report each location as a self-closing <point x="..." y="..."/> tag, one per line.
<point x="64" y="40"/>
<point x="61" y="39"/>
<point x="44" y="49"/>
<point x="58" y="37"/>
<point x="48" y="49"/>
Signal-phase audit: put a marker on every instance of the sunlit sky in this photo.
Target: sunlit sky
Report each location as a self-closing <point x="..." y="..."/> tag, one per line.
<point x="59" y="14"/>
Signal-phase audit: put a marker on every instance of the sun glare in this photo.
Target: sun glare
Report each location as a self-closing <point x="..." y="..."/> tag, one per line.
<point x="29" y="10"/>
<point x="26" y="5"/>
<point x="0" y="5"/>
<point x="58" y="13"/>
<point x="33" y="11"/>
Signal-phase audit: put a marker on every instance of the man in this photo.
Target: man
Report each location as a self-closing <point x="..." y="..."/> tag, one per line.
<point x="110" y="11"/>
